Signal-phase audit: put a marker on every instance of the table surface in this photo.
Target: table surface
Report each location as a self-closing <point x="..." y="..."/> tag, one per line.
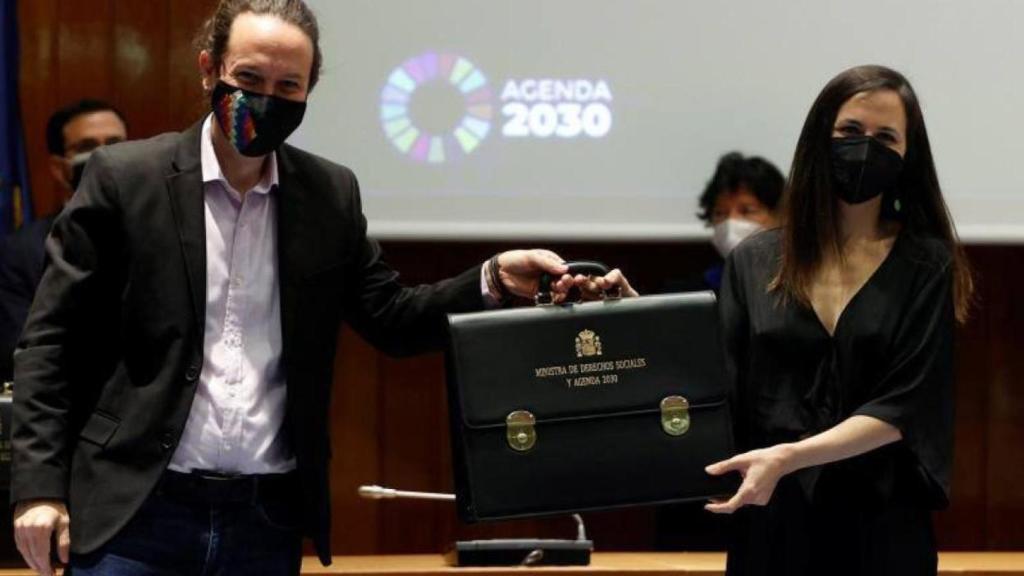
<point x="632" y="563"/>
<point x="636" y="564"/>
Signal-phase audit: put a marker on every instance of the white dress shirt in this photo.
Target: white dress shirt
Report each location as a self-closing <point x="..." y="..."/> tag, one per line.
<point x="236" y="424"/>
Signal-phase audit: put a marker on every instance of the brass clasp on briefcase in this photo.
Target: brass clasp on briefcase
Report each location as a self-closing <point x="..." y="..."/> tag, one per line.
<point x="520" y="431"/>
<point x="675" y="415"/>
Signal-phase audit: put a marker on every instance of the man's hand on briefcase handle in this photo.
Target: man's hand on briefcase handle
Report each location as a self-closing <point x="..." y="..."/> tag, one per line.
<point x="35" y="523"/>
<point x="520" y="270"/>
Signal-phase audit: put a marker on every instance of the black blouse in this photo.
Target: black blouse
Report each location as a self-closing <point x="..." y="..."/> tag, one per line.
<point x="890" y="357"/>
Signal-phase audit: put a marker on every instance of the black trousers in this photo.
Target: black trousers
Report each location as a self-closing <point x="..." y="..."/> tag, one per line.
<point x="845" y="530"/>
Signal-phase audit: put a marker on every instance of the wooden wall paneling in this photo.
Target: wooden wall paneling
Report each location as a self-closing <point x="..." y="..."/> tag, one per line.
<point x="141" y="58"/>
<point x="85" y="50"/>
<point x="414" y="436"/>
<point x="963" y="525"/>
<point x="83" y="57"/>
<point x="37" y="28"/>
<point x="185" y="95"/>
<point x="627" y="529"/>
<point x="1005" y="471"/>
<point x="356" y="446"/>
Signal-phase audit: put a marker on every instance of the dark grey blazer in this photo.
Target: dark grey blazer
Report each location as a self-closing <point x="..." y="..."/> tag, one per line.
<point x="108" y="363"/>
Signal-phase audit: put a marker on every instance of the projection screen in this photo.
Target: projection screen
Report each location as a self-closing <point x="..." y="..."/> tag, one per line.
<point x="603" y="119"/>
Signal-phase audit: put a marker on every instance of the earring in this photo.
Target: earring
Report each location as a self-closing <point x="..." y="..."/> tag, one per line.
<point x="897" y="205"/>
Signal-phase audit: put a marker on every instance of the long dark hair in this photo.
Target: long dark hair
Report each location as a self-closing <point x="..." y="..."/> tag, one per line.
<point x="810" y="208"/>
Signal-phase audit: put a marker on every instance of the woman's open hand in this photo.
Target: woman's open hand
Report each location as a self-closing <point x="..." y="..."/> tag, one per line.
<point x="761" y="471"/>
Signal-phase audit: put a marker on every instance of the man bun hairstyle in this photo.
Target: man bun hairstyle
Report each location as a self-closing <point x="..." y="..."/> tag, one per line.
<point x="215" y="32"/>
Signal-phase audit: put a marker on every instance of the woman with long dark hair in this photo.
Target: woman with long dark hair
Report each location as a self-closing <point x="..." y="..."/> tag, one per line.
<point x="839" y="336"/>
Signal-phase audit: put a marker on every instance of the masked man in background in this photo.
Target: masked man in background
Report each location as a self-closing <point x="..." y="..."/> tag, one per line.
<point x="72" y="134"/>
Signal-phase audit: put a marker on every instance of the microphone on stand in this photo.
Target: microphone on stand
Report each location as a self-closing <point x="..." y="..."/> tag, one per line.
<point x="499" y="552"/>
<point x="380" y="493"/>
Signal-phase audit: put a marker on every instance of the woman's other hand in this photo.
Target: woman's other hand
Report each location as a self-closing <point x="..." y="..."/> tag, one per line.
<point x="761" y="471"/>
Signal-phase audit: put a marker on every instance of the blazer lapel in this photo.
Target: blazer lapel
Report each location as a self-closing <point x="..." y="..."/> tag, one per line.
<point x="185" y="188"/>
<point x="294" y="246"/>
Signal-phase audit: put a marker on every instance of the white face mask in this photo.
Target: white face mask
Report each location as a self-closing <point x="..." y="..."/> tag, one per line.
<point x="729" y="233"/>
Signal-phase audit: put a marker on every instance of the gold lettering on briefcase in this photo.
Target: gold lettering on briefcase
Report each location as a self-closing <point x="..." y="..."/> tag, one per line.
<point x="588" y="344"/>
<point x="591" y="373"/>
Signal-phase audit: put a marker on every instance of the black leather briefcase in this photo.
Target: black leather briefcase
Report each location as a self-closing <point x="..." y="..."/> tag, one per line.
<point x="565" y="408"/>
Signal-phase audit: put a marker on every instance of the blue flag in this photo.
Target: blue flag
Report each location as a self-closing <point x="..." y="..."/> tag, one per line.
<point x="15" y="200"/>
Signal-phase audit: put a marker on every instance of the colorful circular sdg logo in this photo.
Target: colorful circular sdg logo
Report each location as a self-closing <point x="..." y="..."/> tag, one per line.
<point x="397" y="97"/>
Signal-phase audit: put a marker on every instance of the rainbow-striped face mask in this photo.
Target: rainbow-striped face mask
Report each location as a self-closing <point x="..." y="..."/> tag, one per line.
<point x="255" y="124"/>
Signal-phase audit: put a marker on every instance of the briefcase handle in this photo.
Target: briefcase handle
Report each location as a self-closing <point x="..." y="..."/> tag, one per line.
<point x="584" y="267"/>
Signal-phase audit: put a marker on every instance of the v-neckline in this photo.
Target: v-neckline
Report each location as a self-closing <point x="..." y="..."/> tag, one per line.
<point x="871" y="278"/>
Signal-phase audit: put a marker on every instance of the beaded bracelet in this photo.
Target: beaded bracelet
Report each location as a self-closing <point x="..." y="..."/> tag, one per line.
<point x="493" y="268"/>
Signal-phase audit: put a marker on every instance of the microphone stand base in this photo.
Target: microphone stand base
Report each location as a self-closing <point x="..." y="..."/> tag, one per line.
<point x="520" y="552"/>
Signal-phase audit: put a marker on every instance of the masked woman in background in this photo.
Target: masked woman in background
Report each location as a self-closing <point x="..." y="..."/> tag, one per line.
<point x="839" y="336"/>
<point x="741" y="198"/>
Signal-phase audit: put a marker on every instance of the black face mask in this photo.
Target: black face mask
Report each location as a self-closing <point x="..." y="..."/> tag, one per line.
<point x="863" y="168"/>
<point x="255" y="124"/>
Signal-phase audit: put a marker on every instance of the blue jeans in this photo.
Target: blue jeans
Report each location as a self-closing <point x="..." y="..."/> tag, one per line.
<point x="169" y="537"/>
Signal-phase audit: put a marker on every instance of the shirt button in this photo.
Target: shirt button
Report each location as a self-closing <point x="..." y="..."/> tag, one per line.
<point x="166" y="441"/>
<point x="192" y="373"/>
